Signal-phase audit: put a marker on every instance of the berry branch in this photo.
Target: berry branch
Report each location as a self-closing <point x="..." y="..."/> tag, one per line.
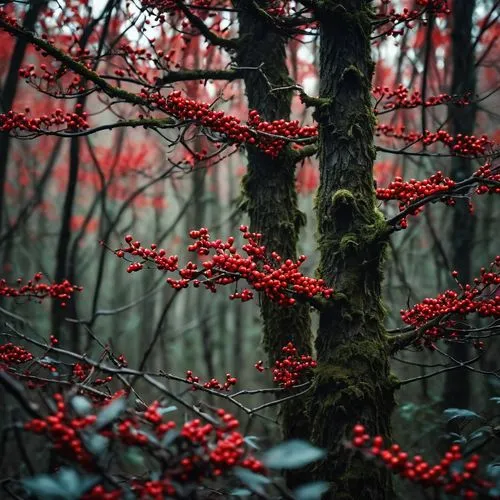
<point x="413" y="195"/>
<point x="35" y="289"/>
<point x="280" y="281"/>
<point x="453" y="474"/>
<point x="436" y="318"/>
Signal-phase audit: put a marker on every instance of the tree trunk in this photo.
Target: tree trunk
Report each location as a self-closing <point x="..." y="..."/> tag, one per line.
<point x="353" y="383"/>
<point x="9" y="92"/>
<point x="270" y="195"/>
<point x="62" y="271"/>
<point x="457" y="388"/>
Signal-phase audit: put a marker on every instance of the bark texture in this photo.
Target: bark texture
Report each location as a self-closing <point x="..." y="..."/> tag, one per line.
<point x="353" y="383"/>
<point x="457" y="387"/>
<point x="269" y="194"/>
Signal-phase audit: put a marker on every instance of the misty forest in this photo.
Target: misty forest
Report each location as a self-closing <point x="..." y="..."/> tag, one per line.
<point x="249" y="249"/>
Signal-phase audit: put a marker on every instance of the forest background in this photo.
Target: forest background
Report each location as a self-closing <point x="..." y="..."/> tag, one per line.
<point x="72" y="191"/>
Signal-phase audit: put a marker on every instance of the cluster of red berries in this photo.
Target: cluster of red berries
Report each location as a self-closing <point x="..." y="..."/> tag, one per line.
<point x="99" y="492"/>
<point x="34" y="289"/>
<point x="276" y="279"/>
<point x="24" y="123"/>
<point x="259" y="366"/>
<point x="122" y="360"/>
<point x="51" y="80"/>
<point x="407" y="16"/>
<point x="435" y="6"/>
<point x="82" y="372"/>
<point x="492" y="175"/>
<point x="417" y="470"/>
<point x="144" y="490"/>
<point x="412" y="191"/>
<point x="408" y="192"/>
<point x="212" y="383"/>
<point x="227" y="451"/>
<point x="245" y="295"/>
<point x="157" y="490"/>
<point x="290" y="130"/>
<point x="172" y="6"/>
<point x="12" y="354"/>
<point x="461" y="144"/>
<point x="153" y="415"/>
<point x="128" y="433"/>
<point x="159" y="258"/>
<point x="400" y="97"/>
<point x="6" y="15"/>
<point x="134" y="55"/>
<point x="290" y="370"/>
<point x="280" y="8"/>
<point x="223" y="445"/>
<point x="472" y="299"/>
<point x="212" y="449"/>
<point x="260" y="133"/>
<point x="63" y="430"/>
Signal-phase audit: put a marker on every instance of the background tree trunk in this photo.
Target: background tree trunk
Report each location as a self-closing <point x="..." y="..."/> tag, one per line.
<point x="9" y="92"/>
<point x="456" y="391"/>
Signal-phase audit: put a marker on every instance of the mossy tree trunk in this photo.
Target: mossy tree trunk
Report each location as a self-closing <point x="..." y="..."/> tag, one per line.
<point x="269" y="191"/>
<point x="353" y="383"/>
<point x="457" y="387"/>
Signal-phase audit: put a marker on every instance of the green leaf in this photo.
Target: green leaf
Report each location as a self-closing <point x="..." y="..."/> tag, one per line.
<point x="453" y="413"/>
<point x="69" y="481"/>
<point x="292" y="454"/>
<point x="110" y="413"/>
<point x="250" y="441"/>
<point x="255" y="482"/>
<point x="483" y="431"/>
<point x="493" y="470"/>
<point x="96" y="444"/>
<point x="44" y="487"/>
<point x="168" y="409"/>
<point x="49" y="361"/>
<point x="311" y="491"/>
<point x="241" y="492"/>
<point x="169" y="438"/>
<point x="81" y="405"/>
<point x="67" y="484"/>
<point x="408" y="410"/>
<point x="457" y="438"/>
<point x="134" y="456"/>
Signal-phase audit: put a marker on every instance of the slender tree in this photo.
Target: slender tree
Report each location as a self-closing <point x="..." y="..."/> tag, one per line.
<point x="457" y="389"/>
<point x="270" y="197"/>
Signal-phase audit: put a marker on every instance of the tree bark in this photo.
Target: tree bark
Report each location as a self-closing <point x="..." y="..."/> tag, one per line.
<point x="457" y="385"/>
<point x="269" y="193"/>
<point x="9" y="92"/>
<point x="353" y="383"/>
